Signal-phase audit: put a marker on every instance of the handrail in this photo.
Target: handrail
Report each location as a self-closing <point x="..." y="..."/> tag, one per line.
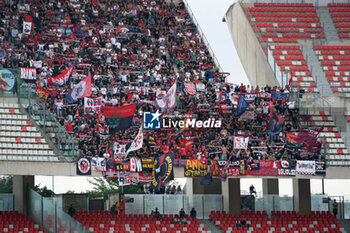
<point x="46" y="120"/>
<point x="199" y="29"/>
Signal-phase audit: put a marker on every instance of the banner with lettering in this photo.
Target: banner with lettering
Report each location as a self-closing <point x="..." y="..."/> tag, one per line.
<point x="147" y="164"/>
<point x="28" y="74"/>
<point x="194" y="168"/>
<point x="92" y="105"/>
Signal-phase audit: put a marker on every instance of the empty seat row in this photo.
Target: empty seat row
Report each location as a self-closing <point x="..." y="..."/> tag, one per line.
<point x="39" y="158"/>
<point x="22" y="140"/>
<point x="256" y="4"/>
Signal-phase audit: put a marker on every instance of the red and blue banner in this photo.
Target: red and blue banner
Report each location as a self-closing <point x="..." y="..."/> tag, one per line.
<point x="61" y="79"/>
<point x="119" y="118"/>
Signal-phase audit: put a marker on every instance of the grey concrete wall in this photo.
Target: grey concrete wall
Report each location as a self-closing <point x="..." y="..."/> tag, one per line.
<point x="21" y="185"/>
<point x="248" y="48"/>
<point x="213" y="188"/>
<point x="302" y="196"/>
<point x="270" y="186"/>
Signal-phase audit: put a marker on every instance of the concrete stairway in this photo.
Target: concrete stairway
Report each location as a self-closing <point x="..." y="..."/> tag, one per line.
<point x="211" y="226"/>
<point x="345" y="223"/>
<point x="316" y="70"/>
<point x="327" y="24"/>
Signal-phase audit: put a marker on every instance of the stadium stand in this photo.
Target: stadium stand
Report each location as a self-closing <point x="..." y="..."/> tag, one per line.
<point x="104" y="221"/>
<point x="283" y="22"/>
<point x="133" y="61"/>
<point x="12" y="221"/>
<point x="340" y="14"/>
<point x="279" y="221"/>
<point x="20" y="139"/>
<point x="290" y="59"/>
<point x="335" y="63"/>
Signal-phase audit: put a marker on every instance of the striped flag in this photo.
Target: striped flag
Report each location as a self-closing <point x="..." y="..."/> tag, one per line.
<point x="190" y="88"/>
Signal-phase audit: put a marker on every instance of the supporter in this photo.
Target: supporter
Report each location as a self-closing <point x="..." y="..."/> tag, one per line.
<point x="252" y="190"/>
<point x="136" y="52"/>
<point x="193" y="213"/>
<point x="71" y="210"/>
<point x="182" y="213"/>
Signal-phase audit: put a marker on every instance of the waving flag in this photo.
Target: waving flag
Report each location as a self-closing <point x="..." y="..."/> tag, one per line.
<point x="308" y="137"/>
<point x="119" y="118"/>
<point x="81" y="90"/>
<point x="276" y="122"/>
<point x="137" y="142"/>
<point x="163" y="170"/>
<point x="61" y="79"/>
<point x="168" y="101"/>
<point x="190" y="88"/>
<point x="242" y="106"/>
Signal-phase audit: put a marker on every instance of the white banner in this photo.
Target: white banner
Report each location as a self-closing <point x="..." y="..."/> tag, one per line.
<point x="27" y="27"/>
<point x="306" y="167"/>
<point x="28" y="74"/>
<point x="137" y="142"/>
<point x="240" y="143"/>
<point x="98" y="164"/>
<point x="92" y="105"/>
<point x="36" y="64"/>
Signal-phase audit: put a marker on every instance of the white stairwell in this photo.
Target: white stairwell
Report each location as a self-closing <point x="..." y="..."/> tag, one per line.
<point x="316" y="70"/>
<point x="327" y="23"/>
<point x="20" y="139"/>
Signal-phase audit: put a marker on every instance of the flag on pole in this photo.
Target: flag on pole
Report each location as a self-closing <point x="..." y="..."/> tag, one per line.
<point x="276" y="122"/>
<point x="137" y="142"/>
<point x="81" y="90"/>
<point x="168" y="101"/>
<point x="61" y="79"/>
<point x="242" y="106"/>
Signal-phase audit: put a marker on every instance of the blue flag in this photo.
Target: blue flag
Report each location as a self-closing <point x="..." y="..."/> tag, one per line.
<point x="242" y="106"/>
<point x="163" y="170"/>
<point x="276" y="122"/>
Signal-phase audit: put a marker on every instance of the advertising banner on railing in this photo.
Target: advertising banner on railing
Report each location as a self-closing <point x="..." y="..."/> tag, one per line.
<point x="98" y="164"/>
<point x="286" y="168"/>
<point x="194" y="168"/>
<point x="306" y="167"/>
<point x="28" y="75"/>
<point x="262" y="168"/>
<point x="146" y="168"/>
<point x="147" y="164"/>
<point x="7" y="80"/>
<point x="92" y="105"/>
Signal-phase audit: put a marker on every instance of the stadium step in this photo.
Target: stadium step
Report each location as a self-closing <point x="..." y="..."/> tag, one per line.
<point x="210" y="226"/>
<point x="327" y="23"/>
<point x="316" y="70"/>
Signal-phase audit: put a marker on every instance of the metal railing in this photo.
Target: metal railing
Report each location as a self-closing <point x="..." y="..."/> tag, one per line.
<point x="46" y="120"/>
<point x="317" y="3"/>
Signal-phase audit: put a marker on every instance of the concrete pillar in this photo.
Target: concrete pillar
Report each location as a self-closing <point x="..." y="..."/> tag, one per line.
<point x="213" y="188"/>
<point x="21" y="184"/>
<point x="302" y="196"/>
<point x="231" y="192"/>
<point x="270" y="186"/>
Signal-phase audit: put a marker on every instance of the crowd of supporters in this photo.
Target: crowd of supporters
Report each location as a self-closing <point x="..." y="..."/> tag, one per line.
<point x="136" y="50"/>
